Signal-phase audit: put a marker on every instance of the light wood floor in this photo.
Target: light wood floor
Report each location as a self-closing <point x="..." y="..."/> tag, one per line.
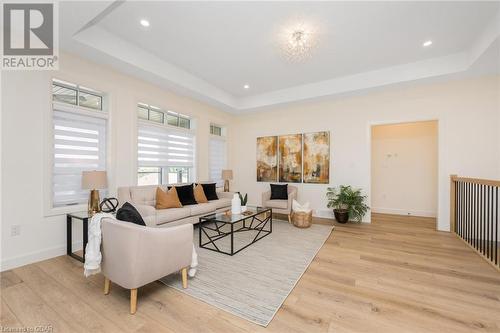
<point x="394" y="275"/>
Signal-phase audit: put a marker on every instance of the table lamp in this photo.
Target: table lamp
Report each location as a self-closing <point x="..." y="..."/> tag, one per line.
<point x="227" y="175"/>
<point x="94" y="181"/>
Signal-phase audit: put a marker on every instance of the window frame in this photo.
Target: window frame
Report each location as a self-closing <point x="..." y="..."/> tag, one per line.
<point x="163" y="175"/>
<point x="222" y="138"/>
<point x="192" y="171"/>
<point x="165" y="117"/>
<point x="48" y="152"/>
<point x="78" y="89"/>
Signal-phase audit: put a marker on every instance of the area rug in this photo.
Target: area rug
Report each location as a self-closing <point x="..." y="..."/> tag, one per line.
<point x="255" y="282"/>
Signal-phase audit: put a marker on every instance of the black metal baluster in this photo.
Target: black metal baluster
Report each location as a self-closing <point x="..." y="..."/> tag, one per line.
<point x="455" y="220"/>
<point x="476" y="219"/>
<point x="481" y="220"/>
<point x="488" y="224"/>
<point x="496" y="228"/>
<point x="466" y="212"/>
<point x="492" y="221"/>
<point x="478" y="207"/>
<point x="485" y="219"/>
<point x="478" y="232"/>
<point x="462" y="208"/>
<point x="459" y="203"/>
<point x="474" y="211"/>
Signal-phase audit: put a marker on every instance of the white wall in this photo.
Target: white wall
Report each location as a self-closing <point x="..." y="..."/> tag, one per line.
<point x="467" y="114"/>
<point x="467" y="111"/>
<point x="404" y="175"/>
<point x="25" y="135"/>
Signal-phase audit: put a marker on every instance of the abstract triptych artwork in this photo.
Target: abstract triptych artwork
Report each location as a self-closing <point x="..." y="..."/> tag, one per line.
<point x="294" y="158"/>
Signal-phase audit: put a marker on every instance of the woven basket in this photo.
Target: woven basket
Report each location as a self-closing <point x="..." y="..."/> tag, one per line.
<point x="301" y="219"/>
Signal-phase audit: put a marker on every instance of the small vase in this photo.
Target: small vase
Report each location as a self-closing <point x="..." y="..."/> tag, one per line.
<point x="236" y="204"/>
<point x="243" y="209"/>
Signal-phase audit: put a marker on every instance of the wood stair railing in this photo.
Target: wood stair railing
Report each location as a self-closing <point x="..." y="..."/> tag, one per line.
<point x="474" y="215"/>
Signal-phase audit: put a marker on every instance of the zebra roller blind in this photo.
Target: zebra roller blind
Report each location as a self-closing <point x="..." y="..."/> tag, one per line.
<point x="161" y="146"/>
<point x="217" y="150"/>
<point x="79" y="145"/>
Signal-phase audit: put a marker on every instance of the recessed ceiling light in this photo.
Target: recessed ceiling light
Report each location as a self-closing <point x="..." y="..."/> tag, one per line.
<point x="145" y="23"/>
<point x="427" y="43"/>
<point x="246" y="86"/>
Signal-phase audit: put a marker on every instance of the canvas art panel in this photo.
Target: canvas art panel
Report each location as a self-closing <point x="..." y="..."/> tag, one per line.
<point x="267" y="159"/>
<point x="290" y="158"/>
<point x="317" y="157"/>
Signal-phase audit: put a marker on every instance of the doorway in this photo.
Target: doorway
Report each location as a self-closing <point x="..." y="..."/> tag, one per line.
<point x="404" y="169"/>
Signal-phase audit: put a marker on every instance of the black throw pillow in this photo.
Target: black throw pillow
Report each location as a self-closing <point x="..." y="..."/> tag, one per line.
<point x="186" y="194"/>
<point x="279" y="192"/>
<point x="210" y="191"/>
<point x="128" y="213"/>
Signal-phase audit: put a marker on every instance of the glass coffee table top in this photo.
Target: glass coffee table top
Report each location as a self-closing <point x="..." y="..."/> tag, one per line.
<point x="228" y="217"/>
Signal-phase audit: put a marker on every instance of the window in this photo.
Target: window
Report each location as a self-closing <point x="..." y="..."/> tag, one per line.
<point x="165" y="155"/>
<point x="157" y="175"/>
<point x="217" y="154"/>
<point x="69" y="93"/>
<point x="78" y="140"/>
<point x="149" y="176"/>
<point x="155" y="114"/>
<point x="216" y="130"/>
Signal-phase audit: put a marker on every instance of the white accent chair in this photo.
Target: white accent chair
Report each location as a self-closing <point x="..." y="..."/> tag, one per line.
<point x="135" y="255"/>
<point x="280" y="206"/>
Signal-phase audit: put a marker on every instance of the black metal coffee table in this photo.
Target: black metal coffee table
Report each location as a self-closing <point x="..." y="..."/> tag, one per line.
<point x="256" y="223"/>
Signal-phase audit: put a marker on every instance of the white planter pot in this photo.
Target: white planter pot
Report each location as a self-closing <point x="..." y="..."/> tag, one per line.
<point x="243" y="209"/>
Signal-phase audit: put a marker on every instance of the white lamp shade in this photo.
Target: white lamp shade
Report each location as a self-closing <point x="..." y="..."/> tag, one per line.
<point x="94" y="180"/>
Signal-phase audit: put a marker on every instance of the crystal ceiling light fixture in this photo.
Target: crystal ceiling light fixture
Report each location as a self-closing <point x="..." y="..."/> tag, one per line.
<point x="299" y="42"/>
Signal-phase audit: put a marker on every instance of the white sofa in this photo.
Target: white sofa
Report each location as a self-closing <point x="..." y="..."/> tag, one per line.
<point x="143" y="198"/>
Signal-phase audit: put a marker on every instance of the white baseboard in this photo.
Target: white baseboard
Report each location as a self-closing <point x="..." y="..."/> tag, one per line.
<point x="33" y="257"/>
<point x="396" y="211"/>
<point x="324" y="213"/>
<point x="328" y="214"/>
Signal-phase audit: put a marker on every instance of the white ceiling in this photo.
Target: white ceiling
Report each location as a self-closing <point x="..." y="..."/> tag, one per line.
<point x="209" y="50"/>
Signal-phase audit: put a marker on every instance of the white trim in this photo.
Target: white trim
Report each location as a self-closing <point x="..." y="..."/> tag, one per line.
<point x="79" y="110"/>
<point x="397" y="211"/>
<point x="165" y="126"/>
<point x="36" y="256"/>
<point x="63" y="210"/>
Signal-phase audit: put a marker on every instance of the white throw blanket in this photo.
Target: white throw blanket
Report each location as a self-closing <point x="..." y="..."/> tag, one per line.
<point x="297" y="207"/>
<point x="93" y="255"/>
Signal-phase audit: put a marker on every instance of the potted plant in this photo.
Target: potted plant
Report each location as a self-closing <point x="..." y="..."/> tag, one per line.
<point x="244" y="200"/>
<point x="347" y="203"/>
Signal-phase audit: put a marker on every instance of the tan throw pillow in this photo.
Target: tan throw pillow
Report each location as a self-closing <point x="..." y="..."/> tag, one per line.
<point x="199" y="194"/>
<point x="167" y="199"/>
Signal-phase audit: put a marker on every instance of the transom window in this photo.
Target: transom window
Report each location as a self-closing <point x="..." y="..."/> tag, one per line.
<point x="155" y="114"/>
<point x="215" y="130"/>
<point x="73" y="94"/>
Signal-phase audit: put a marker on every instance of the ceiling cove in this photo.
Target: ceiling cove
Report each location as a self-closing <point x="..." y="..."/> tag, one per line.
<point x="94" y="38"/>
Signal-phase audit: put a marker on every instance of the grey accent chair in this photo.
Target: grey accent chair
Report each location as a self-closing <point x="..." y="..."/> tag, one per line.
<point x="280" y="206"/>
<point x="135" y="255"/>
